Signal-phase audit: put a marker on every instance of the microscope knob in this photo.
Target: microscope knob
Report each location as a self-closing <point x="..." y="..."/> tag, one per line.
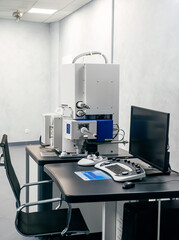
<point x="97" y="154"/>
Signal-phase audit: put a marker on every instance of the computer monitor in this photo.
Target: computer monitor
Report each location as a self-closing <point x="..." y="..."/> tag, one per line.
<point x="149" y="137"/>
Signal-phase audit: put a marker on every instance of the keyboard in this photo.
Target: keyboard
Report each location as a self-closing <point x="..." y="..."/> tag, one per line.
<point x="121" y="170"/>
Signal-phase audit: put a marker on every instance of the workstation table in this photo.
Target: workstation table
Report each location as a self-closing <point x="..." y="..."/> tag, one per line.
<point x="74" y="189"/>
<point x="45" y="190"/>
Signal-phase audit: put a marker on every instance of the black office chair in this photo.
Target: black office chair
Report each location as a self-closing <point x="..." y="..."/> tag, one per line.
<point x="62" y="222"/>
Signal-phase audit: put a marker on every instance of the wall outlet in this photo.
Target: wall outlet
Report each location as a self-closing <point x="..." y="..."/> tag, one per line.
<point x="27" y="131"/>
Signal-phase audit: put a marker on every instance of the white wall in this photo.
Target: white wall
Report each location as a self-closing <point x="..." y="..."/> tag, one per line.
<point x="24" y="78"/>
<point x="54" y="65"/>
<point x="88" y="29"/>
<point x="146" y="36"/>
<point x="146" y="47"/>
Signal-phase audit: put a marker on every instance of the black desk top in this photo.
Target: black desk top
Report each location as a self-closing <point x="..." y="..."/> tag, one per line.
<point x="34" y="152"/>
<point x="74" y="189"/>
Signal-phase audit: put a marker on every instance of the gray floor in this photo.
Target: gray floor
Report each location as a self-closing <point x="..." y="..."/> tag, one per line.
<point x="7" y="200"/>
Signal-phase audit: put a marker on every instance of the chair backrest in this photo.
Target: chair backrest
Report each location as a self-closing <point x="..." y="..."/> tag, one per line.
<point x="10" y="170"/>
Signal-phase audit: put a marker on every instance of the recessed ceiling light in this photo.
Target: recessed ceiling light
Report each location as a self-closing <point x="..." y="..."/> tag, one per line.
<point x="42" y="11"/>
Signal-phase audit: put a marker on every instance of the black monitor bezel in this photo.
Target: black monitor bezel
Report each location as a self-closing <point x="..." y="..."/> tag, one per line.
<point x="165" y="167"/>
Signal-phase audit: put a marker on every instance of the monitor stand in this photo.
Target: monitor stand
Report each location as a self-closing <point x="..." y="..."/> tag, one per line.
<point x="152" y="171"/>
<point x="149" y="170"/>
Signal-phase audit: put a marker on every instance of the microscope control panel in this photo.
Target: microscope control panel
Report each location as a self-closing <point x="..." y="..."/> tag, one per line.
<point x="121" y="170"/>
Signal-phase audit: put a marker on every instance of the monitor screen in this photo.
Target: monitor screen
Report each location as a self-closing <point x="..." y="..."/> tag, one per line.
<point x="149" y="137"/>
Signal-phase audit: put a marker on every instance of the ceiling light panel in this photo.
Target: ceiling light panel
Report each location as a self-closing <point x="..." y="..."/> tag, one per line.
<point x="7" y="7"/>
<point x="36" y="17"/>
<point x="42" y="11"/>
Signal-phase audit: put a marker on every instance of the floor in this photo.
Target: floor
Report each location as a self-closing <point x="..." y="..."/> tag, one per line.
<point x="7" y="200"/>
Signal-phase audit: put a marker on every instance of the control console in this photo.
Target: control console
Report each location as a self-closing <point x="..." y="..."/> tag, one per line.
<point x="121" y="170"/>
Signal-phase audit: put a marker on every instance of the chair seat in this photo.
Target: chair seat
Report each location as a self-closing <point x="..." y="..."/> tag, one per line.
<point x="50" y="222"/>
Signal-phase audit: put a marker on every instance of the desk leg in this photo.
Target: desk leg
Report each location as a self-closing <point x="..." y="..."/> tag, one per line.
<point x="44" y="190"/>
<point x="27" y="179"/>
<point x="159" y="218"/>
<point x="109" y="221"/>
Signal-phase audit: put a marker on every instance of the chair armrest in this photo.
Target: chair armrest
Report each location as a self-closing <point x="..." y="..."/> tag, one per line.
<point x="36" y="183"/>
<point x="38" y="203"/>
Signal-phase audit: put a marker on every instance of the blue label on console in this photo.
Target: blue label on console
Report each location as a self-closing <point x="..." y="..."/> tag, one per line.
<point x="93" y="175"/>
<point x="68" y="128"/>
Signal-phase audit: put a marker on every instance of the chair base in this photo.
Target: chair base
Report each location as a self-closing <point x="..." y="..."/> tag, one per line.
<point x="51" y="222"/>
<point x="90" y="236"/>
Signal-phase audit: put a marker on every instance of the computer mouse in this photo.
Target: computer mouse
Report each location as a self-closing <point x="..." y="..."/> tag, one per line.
<point x="128" y="185"/>
<point x="86" y="162"/>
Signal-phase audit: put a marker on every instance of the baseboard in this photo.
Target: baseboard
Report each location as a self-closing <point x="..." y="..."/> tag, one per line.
<point x="24" y="143"/>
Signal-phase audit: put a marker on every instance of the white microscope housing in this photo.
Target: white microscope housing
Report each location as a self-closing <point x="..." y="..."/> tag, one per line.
<point x="89" y="110"/>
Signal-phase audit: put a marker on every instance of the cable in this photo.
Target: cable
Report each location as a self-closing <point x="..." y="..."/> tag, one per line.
<point x="89" y="54"/>
<point x="117" y="130"/>
<point x="123" y="135"/>
<point x="173" y="170"/>
<point x="118" y="133"/>
<point x="42" y="144"/>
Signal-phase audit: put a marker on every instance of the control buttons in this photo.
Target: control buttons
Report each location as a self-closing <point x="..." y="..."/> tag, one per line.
<point x="138" y="170"/>
<point x="122" y="169"/>
<point x="105" y="163"/>
<point x="125" y="173"/>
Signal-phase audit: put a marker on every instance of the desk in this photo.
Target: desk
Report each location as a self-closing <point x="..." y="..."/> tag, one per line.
<point x="74" y="189"/>
<point x="45" y="191"/>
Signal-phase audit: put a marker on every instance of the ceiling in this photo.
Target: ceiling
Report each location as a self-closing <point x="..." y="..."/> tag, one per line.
<point x="64" y="8"/>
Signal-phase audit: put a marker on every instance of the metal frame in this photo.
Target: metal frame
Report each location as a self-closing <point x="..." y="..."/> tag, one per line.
<point x="40" y="202"/>
<point x="26" y="205"/>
